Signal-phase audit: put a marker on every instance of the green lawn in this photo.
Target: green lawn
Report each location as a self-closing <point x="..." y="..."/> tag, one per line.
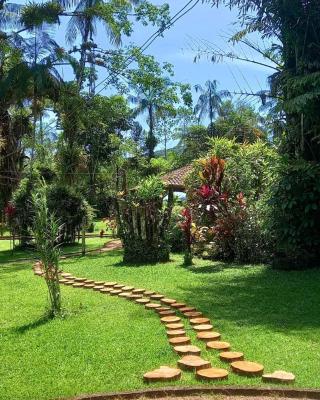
<point x="106" y="343"/>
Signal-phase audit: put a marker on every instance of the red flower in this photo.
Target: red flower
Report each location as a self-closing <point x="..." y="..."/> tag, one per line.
<point x="205" y="191"/>
<point x="224" y="197"/>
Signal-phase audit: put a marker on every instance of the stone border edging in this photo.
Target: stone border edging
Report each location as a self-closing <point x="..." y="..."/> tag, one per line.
<point x="313" y="394"/>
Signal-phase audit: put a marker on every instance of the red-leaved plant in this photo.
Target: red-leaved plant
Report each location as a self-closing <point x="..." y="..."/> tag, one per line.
<point x="186" y="226"/>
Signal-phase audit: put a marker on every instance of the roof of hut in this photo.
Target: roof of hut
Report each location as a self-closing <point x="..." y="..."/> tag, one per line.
<point x="175" y="179"/>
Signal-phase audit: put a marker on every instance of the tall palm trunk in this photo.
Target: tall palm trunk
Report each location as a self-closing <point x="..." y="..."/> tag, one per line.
<point x="151" y="138"/>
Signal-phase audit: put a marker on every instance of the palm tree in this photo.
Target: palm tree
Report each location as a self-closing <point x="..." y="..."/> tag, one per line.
<point x="209" y="102"/>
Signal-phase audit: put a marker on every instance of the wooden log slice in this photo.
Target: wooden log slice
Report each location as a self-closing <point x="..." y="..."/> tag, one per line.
<point x="80" y="279"/>
<point x="70" y="278"/>
<point x="115" y="292"/>
<point x="104" y="291"/>
<point x="69" y="283"/>
<point x="152" y="306"/>
<point x="78" y="285"/>
<point x="156" y="296"/>
<point x="161" y="374"/>
<point x="127" y="288"/>
<point x="170" y="319"/>
<point x="193" y="314"/>
<point x="218" y="345"/>
<point x="65" y="274"/>
<point x="108" y="289"/>
<point x="99" y="283"/>
<point x="166" y="301"/>
<point x="178" y="305"/>
<point x="125" y="294"/>
<point x="279" y="377"/>
<point x="230" y="356"/>
<point x="247" y="368"/>
<point x="109" y="284"/>
<point x="142" y="301"/>
<point x="166" y="313"/>
<point x="88" y="281"/>
<point x="149" y="292"/>
<point x="208" y="336"/>
<point x="202" y="327"/>
<point x="185" y="350"/>
<point x="138" y="291"/>
<point x="134" y="297"/>
<point x="176" y="341"/>
<point x="212" y="374"/>
<point x="174" y="325"/>
<point x="187" y="309"/>
<point x="63" y="280"/>
<point x="97" y="288"/>
<point x="88" y="285"/>
<point x="193" y="363"/>
<point x="118" y="286"/>
<point x="176" y="333"/>
<point x="160" y="309"/>
<point x="199" y="321"/>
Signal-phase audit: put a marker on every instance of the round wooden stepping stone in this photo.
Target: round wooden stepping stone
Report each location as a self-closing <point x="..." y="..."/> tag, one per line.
<point x="167" y="301"/>
<point x="149" y="292"/>
<point x="160" y="309"/>
<point x="71" y="278"/>
<point x="123" y="294"/>
<point x="108" y="289"/>
<point x="88" y="286"/>
<point x="138" y="291"/>
<point x="230" y="356"/>
<point x="156" y="296"/>
<point x="208" y="336"/>
<point x="247" y="368"/>
<point x="202" y="327"/>
<point x="178" y="305"/>
<point x="135" y="296"/>
<point x="127" y="288"/>
<point x="104" y="291"/>
<point x="115" y="292"/>
<point x="65" y="274"/>
<point x="176" y="341"/>
<point x="38" y="273"/>
<point x="166" y="313"/>
<point x="176" y="333"/>
<point x="88" y="281"/>
<point x="97" y="288"/>
<point x="279" y="377"/>
<point x="217" y="345"/>
<point x="69" y="283"/>
<point x="152" y="306"/>
<point x="99" y="283"/>
<point x="192" y="314"/>
<point x="118" y="286"/>
<point x="80" y="279"/>
<point x="109" y="284"/>
<point x="174" y="325"/>
<point x="170" y="319"/>
<point x="78" y="285"/>
<point x="188" y="349"/>
<point x="63" y="280"/>
<point x="193" y="363"/>
<point x="187" y="309"/>
<point x="199" y="321"/>
<point x="212" y="374"/>
<point x="142" y="301"/>
<point x="163" y="373"/>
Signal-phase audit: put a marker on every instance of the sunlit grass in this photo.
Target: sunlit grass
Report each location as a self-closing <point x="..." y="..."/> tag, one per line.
<point x="106" y="343"/>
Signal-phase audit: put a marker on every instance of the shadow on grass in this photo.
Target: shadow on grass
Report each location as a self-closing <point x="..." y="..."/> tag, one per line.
<point x="284" y="301"/>
<point x="13" y="267"/>
<point x="32" y="325"/>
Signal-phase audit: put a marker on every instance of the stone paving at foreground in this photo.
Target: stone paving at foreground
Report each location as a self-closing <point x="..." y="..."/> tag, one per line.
<point x="172" y="313"/>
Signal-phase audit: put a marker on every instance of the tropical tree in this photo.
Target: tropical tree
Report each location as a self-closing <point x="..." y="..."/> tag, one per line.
<point x="209" y="101"/>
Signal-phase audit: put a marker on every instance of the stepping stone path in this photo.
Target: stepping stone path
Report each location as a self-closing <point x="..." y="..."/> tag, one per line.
<point x="212" y="374"/>
<point x="176" y="333"/>
<point x="187" y="350"/>
<point x="279" y="377"/>
<point x="247" y="368"/>
<point x="193" y="363"/>
<point x="230" y="356"/>
<point x="179" y="340"/>
<point x="163" y="373"/>
<point x="217" y="345"/>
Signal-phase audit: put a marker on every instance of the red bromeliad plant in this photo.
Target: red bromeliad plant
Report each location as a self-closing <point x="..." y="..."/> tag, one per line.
<point x="186" y="226"/>
<point x="216" y="212"/>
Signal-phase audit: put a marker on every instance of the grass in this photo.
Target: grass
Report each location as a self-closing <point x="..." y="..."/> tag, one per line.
<point x="106" y="343"/>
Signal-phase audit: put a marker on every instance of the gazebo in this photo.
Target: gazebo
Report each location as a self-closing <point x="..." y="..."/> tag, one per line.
<point x="174" y="180"/>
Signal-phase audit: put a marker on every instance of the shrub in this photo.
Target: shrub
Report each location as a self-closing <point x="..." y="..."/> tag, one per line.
<point x="175" y="235"/>
<point x="295" y="215"/>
